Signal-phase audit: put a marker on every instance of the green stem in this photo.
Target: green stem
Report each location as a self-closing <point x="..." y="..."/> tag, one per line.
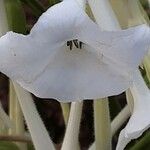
<point x="65" y="110"/>
<point x="102" y="125"/>
<point x="3" y="20"/>
<point x="15" y="16"/>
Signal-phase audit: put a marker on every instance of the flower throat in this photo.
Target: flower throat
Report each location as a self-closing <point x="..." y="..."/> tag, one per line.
<point x="75" y="43"/>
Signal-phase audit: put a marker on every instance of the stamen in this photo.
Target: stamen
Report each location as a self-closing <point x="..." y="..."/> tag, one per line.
<point x="80" y="45"/>
<point x="70" y="44"/>
<point x="75" y="42"/>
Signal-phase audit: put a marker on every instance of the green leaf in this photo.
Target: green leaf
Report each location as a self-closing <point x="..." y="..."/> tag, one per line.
<point x="8" y="146"/>
<point x="31" y="147"/>
<point x="143" y="143"/>
<point x="16" y="16"/>
<point x="53" y="2"/>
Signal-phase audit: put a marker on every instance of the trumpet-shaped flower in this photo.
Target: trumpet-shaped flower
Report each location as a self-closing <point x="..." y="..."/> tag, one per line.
<point x="68" y="57"/>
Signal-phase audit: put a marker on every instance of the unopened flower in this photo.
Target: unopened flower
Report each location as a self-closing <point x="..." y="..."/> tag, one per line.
<point x="68" y="57"/>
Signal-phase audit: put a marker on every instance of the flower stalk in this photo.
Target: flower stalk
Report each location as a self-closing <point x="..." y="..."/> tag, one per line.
<point x="12" y="106"/>
<point x="39" y="134"/>
<point x="3" y="16"/>
<point x="104" y="15"/>
<point x="65" y="110"/>
<point x="72" y="132"/>
<point x="119" y="120"/>
<point x="20" y="127"/>
<point x="102" y="125"/>
<point x="130" y="100"/>
<point x="16" y="116"/>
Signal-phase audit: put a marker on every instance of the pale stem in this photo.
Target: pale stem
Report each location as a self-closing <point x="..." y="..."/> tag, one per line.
<point x="147" y="66"/>
<point x="12" y="106"/>
<point x="3" y="20"/>
<point x="102" y="125"/>
<point x="120" y="119"/>
<point x="3" y="129"/>
<point x="5" y="118"/>
<point x="71" y="141"/>
<point x="130" y="100"/>
<point x="104" y="15"/>
<point x="120" y="8"/>
<point x="106" y="19"/>
<point x="117" y="123"/>
<point x="17" y="117"/>
<point x="20" y="128"/>
<point x="72" y="132"/>
<point x="39" y="134"/>
<point x="65" y="110"/>
<point x="15" y="138"/>
<point x="137" y="14"/>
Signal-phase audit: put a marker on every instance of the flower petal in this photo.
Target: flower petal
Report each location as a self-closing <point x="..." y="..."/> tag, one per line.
<point x="24" y="58"/>
<point x="78" y="74"/>
<point x="41" y="63"/>
<point x="58" y="72"/>
<point x="126" y="47"/>
<point x="58" y="23"/>
<point x="139" y="121"/>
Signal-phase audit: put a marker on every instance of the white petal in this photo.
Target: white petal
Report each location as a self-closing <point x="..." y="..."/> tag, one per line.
<point x="59" y="22"/>
<point x="42" y="64"/>
<point x="140" y="120"/>
<point x="24" y="58"/>
<point x="78" y="74"/>
<point x="58" y="72"/>
<point x="126" y="47"/>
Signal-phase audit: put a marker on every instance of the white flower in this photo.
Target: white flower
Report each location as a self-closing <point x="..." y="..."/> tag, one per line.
<point x="103" y="65"/>
<point x="140" y="120"/>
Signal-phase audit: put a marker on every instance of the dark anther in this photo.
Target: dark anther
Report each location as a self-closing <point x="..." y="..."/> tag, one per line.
<point x="76" y="43"/>
<point x="70" y="44"/>
<point x="80" y="45"/>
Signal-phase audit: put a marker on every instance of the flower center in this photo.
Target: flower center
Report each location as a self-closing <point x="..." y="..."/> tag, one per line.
<point x="75" y="43"/>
